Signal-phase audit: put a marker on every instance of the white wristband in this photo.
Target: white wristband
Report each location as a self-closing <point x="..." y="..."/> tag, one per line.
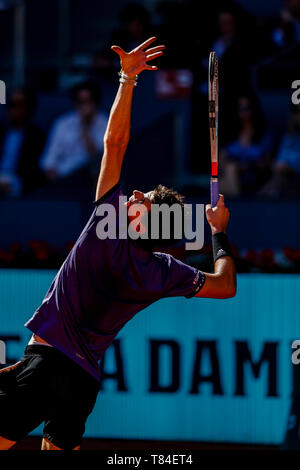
<point x="126" y="79"/>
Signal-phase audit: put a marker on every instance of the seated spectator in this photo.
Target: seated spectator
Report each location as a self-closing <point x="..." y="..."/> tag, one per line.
<point x="135" y="26"/>
<point x="172" y="17"/>
<point x="231" y="44"/>
<point x="285" y="179"/>
<point x="76" y="139"/>
<point x="102" y="65"/>
<point x="228" y="38"/>
<point x="21" y="144"/>
<point x="230" y="47"/>
<point x="245" y="161"/>
<point x="287" y="30"/>
<point x="227" y="33"/>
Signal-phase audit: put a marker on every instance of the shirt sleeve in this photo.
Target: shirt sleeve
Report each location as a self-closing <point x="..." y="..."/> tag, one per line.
<point x="181" y="279"/>
<point x="111" y="196"/>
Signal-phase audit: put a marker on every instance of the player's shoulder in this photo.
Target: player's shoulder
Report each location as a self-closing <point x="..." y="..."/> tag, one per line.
<point x="166" y="259"/>
<point x="162" y="257"/>
<point x="172" y="265"/>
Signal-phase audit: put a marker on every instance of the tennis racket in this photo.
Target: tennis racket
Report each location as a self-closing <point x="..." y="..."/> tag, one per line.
<point x="213" y="98"/>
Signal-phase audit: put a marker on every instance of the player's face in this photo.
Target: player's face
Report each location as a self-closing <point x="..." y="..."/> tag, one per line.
<point x="138" y="197"/>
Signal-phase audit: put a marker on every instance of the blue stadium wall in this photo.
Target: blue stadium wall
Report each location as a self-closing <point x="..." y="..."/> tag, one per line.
<point x="197" y="369"/>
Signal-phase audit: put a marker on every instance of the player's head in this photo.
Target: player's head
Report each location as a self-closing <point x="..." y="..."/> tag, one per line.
<point x="169" y="204"/>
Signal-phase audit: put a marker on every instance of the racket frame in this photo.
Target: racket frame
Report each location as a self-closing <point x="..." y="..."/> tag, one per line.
<point x="213" y="112"/>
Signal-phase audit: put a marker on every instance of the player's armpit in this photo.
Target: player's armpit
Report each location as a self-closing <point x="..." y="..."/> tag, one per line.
<point x="221" y="284"/>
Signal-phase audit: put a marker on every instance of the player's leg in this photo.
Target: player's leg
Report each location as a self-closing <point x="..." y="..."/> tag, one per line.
<point x="21" y="404"/>
<point x="5" y="444"/>
<point x="8" y="387"/>
<point x="47" y="445"/>
<point x="70" y="399"/>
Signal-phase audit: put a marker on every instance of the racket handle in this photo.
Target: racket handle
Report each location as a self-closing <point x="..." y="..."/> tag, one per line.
<point x="214" y="191"/>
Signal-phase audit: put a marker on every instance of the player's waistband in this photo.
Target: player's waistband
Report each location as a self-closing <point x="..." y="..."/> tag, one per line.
<point x="43" y="350"/>
<point x="55" y="356"/>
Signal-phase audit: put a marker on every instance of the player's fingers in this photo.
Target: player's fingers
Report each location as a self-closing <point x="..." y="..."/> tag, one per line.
<point x="154" y="49"/>
<point x="153" y="56"/>
<point x="118" y="50"/>
<point x="146" y="44"/>
<point x="151" y="67"/>
<point x="208" y="207"/>
<point x="221" y="202"/>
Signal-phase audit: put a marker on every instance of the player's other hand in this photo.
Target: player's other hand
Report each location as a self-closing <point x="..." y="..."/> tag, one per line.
<point x="218" y="216"/>
<point x="135" y="61"/>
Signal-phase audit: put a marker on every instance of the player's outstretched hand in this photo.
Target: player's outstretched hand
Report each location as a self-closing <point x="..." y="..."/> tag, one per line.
<point x="135" y="61"/>
<point x="218" y="216"/>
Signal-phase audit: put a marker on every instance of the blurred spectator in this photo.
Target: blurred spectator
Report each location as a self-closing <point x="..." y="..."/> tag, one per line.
<point x="227" y="33"/>
<point x="102" y="65"/>
<point x="173" y="18"/>
<point x="76" y="139"/>
<point x="245" y="160"/>
<point x="232" y="52"/>
<point x="135" y="27"/>
<point x="21" y="144"/>
<point x="232" y="43"/>
<point x="285" y="179"/>
<point x="229" y="42"/>
<point x="287" y="29"/>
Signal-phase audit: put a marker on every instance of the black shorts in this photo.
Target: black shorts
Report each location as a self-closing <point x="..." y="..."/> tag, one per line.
<point x="47" y="387"/>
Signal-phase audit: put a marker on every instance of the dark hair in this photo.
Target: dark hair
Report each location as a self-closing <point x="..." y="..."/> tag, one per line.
<point x="164" y="195"/>
<point x="89" y="85"/>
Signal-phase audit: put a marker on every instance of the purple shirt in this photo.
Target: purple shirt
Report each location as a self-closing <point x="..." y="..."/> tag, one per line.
<point x="101" y="285"/>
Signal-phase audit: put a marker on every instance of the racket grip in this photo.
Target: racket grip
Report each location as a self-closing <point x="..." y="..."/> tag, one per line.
<point x="214" y="191"/>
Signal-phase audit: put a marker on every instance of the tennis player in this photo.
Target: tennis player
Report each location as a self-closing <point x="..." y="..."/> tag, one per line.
<point x="101" y="285"/>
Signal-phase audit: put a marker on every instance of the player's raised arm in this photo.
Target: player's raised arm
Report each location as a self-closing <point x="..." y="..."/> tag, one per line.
<point x="221" y="284"/>
<point x="118" y="128"/>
